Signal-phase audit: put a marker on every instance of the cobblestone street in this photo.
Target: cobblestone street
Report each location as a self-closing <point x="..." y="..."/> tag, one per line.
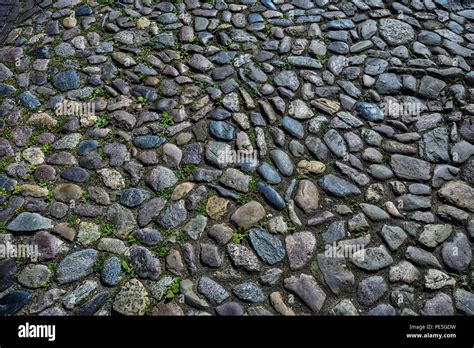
<point x="246" y="157"/>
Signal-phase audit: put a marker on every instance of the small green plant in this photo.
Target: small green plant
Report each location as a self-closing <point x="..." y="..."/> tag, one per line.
<point x="253" y="185"/>
<point x="73" y="220"/>
<point x="132" y="240"/>
<point x="128" y="268"/>
<point x="106" y="229"/>
<point x="43" y="183"/>
<point x="201" y="208"/>
<point x="173" y="289"/>
<point x="49" y="196"/>
<point x="5" y="162"/>
<point x="45" y="284"/>
<point x="267" y="29"/>
<point x="359" y="229"/>
<point x="239" y="235"/>
<point x="321" y="59"/>
<point x="45" y="148"/>
<point x="97" y="92"/>
<point x="2" y="228"/>
<point x="141" y="99"/>
<point x="53" y="267"/>
<point x="99" y="265"/>
<point x="351" y="203"/>
<point x="364" y="95"/>
<point x="16" y="190"/>
<point x="464" y="280"/>
<point x="291" y="227"/>
<point x="243" y="199"/>
<point x="163" y="251"/>
<point x="182" y="238"/>
<point x="285" y="65"/>
<point x="84" y="197"/>
<point x="202" y="85"/>
<point x="166" y="193"/>
<point x="324" y="40"/>
<point x="101" y="122"/>
<point x="21" y="261"/>
<point x="4" y="193"/>
<point x="166" y="120"/>
<point x="252" y="136"/>
<point x="184" y="171"/>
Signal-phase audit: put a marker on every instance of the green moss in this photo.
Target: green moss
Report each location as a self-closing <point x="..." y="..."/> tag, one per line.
<point x="321" y="59"/>
<point x="184" y="171"/>
<point x="53" y="266"/>
<point x="132" y="240"/>
<point x="106" y="229"/>
<point x="163" y="251"/>
<point x="291" y="227"/>
<point x="166" y="193"/>
<point x="5" y="162"/>
<point x="243" y="199"/>
<point x="98" y="92"/>
<point x="101" y="122"/>
<point x="84" y="197"/>
<point x="182" y="238"/>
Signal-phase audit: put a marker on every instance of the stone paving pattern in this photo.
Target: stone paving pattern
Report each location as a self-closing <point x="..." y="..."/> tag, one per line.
<point x="132" y="209"/>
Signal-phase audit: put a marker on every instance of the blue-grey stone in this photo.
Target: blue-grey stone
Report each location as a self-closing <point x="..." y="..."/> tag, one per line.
<point x="369" y="111"/>
<point x="269" y="173"/>
<point x="112" y="273"/>
<point x="13" y="302"/>
<point x="133" y="197"/>
<point x="269" y="4"/>
<point x="222" y="130"/>
<point x="338" y="47"/>
<point x="166" y="39"/>
<point x="86" y="147"/>
<point x="267" y="246"/>
<point x="255" y="17"/>
<point x="29" y="222"/>
<point x="219" y="114"/>
<point x="94" y="304"/>
<point x="375" y="66"/>
<point x="213" y="291"/>
<point x="434" y="146"/>
<point x="388" y="83"/>
<point x="271" y="195"/>
<point x="282" y="161"/>
<point x="429" y="38"/>
<point x="249" y="292"/>
<point x="148" y="236"/>
<point x="66" y="80"/>
<point x="148" y="141"/>
<point x="337" y="186"/>
<point x="77" y="265"/>
<point x="7" y="183"/>
<point x="339" y="24"/>
<point x="293" y="127"/>
<point x="75" y="174"/>
<point x="6" y="90"/>
<point x="83" y="11"/>
<point x="29" y="101"/>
